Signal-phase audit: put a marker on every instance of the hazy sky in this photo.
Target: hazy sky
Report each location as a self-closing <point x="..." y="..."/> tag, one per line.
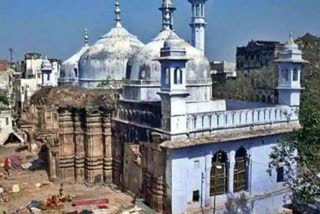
<point x="55" y="27"/>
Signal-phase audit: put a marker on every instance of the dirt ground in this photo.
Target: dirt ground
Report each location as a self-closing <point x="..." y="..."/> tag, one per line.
<point x="27" y="181"/>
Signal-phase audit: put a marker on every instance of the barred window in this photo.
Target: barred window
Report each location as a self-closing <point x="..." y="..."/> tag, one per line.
<point x="240" y="171"/>
<point x="218" y="174"/>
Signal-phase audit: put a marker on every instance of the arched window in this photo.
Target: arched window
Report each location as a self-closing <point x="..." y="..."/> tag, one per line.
<point x="197" y="10"/>
<point x="295" y="74"/>
<point x="167" y="76"/>
<point x="75" y="72"/>
<point x="218" y="174"/>
<point x="177" y="76"/>
<point x="240" y="171"/>
<point x="285" y="74"/>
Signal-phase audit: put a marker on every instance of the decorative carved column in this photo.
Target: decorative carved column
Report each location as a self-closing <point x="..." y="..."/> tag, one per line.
<point x="79" y="145"/>
<point x="231" y="170"/>
<point x="93" y="147"/>
<point x="153" y="162"/>
<point x="117" y="154"/>
<point x="67" y="148"/>
<point x="107" y="149"/>
<point x="158" y="186"/>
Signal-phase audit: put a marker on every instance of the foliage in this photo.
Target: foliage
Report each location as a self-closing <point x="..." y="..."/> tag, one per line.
<point x="4" y="99"/>
<point x="244" y="87"/>
<point x="110" y="83"/>
<point x="302" y="149"/>
<point x="105" y="83"/>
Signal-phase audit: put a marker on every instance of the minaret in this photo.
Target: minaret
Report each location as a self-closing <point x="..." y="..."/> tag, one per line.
<point x="86" y="37"/>
<point x="289" y="71"/>
<point x="198" y="24"/>
<point x="173" y="88"/>
<point x="117" y="13"/>
<point x="167" y="10"/>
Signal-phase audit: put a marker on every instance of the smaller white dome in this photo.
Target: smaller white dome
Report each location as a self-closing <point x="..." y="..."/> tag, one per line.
<point x="70" y="68"/>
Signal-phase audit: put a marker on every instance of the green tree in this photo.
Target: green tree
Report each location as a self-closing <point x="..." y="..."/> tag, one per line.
<point x="299" y="153"/>
<point x="4" y="99"/>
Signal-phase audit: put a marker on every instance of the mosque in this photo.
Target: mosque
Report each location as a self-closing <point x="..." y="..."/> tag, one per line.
<point x="171" y="143"/>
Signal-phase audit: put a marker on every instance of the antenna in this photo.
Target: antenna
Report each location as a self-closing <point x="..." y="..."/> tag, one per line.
<point x="11" y="50"/>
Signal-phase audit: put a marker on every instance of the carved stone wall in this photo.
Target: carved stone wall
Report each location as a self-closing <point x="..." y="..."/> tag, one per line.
<point x="85" y="145"/>
<point x="66" y="145"/>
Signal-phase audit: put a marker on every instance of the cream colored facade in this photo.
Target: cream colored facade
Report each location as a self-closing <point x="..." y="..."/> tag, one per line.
<point x="33" y="62"/>
<point x="5" y="125"/>
<point x="23" y="90"/>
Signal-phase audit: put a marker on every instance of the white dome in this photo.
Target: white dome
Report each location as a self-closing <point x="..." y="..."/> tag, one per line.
<point x="144" y="67"/>
<point x="108" y="57"/>
<point x="70" y="69"/>
<point x="144" y="71"/>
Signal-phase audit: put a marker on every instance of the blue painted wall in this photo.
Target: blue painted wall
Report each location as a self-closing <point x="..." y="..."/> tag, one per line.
<point x="186" y="166"/>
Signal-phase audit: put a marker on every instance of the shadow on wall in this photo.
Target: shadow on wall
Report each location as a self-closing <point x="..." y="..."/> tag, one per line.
<point x="237" y="205"/>
<point x="41" y="162"/>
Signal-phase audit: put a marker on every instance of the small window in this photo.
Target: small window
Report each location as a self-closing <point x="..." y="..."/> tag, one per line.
<point x="76" y="72"/>
<point x="197" y="10"/>
<point x="280" y="174"/>
<point x="48" y="77"/>
<point x="7" y="121"/>
<point x="197" y="164"/>
<point x="196" y="196"/>
<point x="295" y="74"/>
<point x="167" y="77"/>
<point x="285" y="75"/>
<point x="177" y="76"/>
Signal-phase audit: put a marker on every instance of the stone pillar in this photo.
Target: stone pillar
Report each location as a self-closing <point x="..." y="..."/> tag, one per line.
<point x="158" y="183"/>
<point x="117" y="153"/>
<point x="107" y="150"/>
<point x="231" y="170"/>
<point x="67" y="148"/>
<point x="79" y="144"/>
<point x="153" y="166"/>
<point x="94" y="148"/>
<point x="52" y="166"/>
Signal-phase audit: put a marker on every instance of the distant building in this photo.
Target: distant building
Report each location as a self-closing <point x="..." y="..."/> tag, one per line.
<point x="23" y="90"/>
<point x="32" y="65"/>
<point x="31" y="74"/>
<point x="222" y="71"/>
<point x="7" y="132"/>
<point x="3" y="65"/>
<point x="257" y="54"/>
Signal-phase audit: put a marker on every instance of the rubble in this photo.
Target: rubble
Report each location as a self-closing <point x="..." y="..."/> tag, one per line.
<point x="29" y="177"/>
<point x="15" y="188"/>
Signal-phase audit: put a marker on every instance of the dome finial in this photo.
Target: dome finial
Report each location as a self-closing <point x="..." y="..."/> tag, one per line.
<point x="167" y="14"/>
<point x="117" y="12"/>
<point x="86" y="36"/>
